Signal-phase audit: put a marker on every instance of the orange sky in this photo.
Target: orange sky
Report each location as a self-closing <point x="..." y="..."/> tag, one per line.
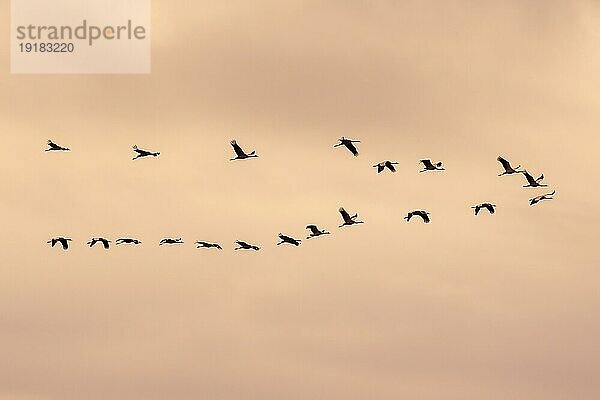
<point x="487" y="307"/>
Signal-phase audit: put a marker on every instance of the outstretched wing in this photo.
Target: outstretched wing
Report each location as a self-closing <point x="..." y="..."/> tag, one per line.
<point x="505" y="164"/>
<point x="427" y="164"/>
<point x="64" y="242"/>
<point x="54" y="146"/>
<point x="350" y="146"/>
<point x="105" y="244"/>
<point x="490" y="208"/>
<point x="313" y="229"/>
<point x="423" y="215"/>
<point x="139" y="151"/>
<point x="238" y="150"/>
<point x="529" y="178"/>
<point x="390" y="166"/>
<point x="286" y="238"/>
<point x="345" y="215"/>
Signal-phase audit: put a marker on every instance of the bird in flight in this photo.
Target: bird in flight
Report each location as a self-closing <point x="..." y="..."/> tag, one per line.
<point x="170" y="241"/>
<point x="93" y="241"/>
<point x="54" y="147"/>
<point x="127" y="241"/>
<point x="349" y="143"/>
<point x="508" y="169"/>
<point x="537" y="199"/>
<point x="208" y="245"/>
<point x="348" y="219"/>
<point x="533" y="182"/>
<point x="287" y="239"/>
<point x="487" y="206"/>
<point x="315" y="231"/>
<point x="143" y="153"/>
<point x="63" y="241"/>
<point x="385" y="164"/>
<point x="429" y="166"/>
<point x="246" y="246"/>
<point x="420" y="213"/>
<point x="240" y="154"/>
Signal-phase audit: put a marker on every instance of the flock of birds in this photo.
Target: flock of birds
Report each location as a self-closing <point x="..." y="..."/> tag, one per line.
<point x="313" y="230"/>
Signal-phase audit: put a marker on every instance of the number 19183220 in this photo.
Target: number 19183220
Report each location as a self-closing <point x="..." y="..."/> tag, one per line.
<point x="46" y="47"/>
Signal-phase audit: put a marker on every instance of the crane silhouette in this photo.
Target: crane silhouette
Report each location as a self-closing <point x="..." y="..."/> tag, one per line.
<point x="349" y="144"/>
<point x="170" y="241"/>
<point x="246" y="246"/>
<point x="488" y="206"/>
<point x="348" y="219"/>
<point x="143" y="153"/>
<point x="385" y="164"/>
<point x="537" y="199"/>
<point x="241" y="154"/>
<point x="419" y="213"/>
<point x="54" y="147"/>
<point x="508" y="169"/>
<point x="533" y="182"/>
<point x="93" y="241"/>
<point x="207" y="245"/>
<point x="315" y="231"/>
<point x="63" y="241"/>
<point x="430" y="166"/>
<point x="127" y="241"/>
<point x="288" y="239"/>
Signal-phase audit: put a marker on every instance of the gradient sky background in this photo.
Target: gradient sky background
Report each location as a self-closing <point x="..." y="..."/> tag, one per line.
<point x="493" y="307"/>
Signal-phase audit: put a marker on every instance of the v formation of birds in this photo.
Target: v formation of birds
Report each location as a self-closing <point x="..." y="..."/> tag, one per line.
<point x="313" y="230"/>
